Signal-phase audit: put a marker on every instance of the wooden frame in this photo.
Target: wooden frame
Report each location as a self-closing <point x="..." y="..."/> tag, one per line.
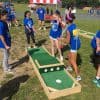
<point x="46" y="66"/>
<point x="54" y="93"/>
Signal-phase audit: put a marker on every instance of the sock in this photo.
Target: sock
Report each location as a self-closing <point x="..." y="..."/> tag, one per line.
<point x="97" y="77"/>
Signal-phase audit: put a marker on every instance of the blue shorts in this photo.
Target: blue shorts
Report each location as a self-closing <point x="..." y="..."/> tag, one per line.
<point x="75" y="44"/>
<point x="41" y="19"/>
<point x="60" y="33"/>
<point x="13" y="17"/>
<point x="54" y="34"/>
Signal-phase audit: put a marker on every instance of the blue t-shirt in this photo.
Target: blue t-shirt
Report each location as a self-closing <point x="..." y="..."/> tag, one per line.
<point x="13" y="14"/>
<point x="4" y="31"/>
<point x="70" y="28"/>
<point x="8" y="9"/>
<point x="41" y="13"/>
<point x="28" y="22"/>
<point x="75" y="42"/>
<point x="93" y="42"/>
<point x="55" y="31"/>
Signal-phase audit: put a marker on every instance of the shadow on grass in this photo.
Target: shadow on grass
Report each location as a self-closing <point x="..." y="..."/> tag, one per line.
<point x="12" y="87"/>
<point x="79" y="59"/>
<point x="40" y="42"/>
<point x="20" y="61"/>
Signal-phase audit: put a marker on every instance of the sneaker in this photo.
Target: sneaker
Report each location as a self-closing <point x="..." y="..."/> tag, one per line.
<point x="69" y="68"/>
<point x="61" y="58"/>
<point x="44" y="28"/>
<point x="8" y="72"/>
<point x="78" y="78"/>
<point x="98" y="83"/>
<point x="34" y="46"/>
<point x="95" y="81"/>
<point x="40" y="28"/>
<point x="29" y="47"/>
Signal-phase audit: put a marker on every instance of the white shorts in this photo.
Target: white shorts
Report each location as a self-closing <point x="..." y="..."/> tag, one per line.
<point x="73" y="51"/>
<point x="53" y="38"/>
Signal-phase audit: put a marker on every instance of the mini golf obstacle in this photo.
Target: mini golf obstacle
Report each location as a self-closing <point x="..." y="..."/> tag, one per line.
<point x="55" y="80"/>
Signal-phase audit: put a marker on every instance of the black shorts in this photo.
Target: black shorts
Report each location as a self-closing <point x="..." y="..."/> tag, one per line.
<point x="96" y="58"/>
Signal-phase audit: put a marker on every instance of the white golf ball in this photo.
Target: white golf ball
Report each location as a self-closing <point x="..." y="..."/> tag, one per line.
<point x="51" y="69"/>
<point x="58" y="68"/>
<point x="45" y="70"/>
<point x="58" y="81"/>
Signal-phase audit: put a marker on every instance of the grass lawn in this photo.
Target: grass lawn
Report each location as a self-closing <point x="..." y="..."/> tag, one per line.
<point x="26" y="86"/>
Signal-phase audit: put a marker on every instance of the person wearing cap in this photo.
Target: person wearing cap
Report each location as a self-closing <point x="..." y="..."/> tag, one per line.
<point x="95" y="43"/>
<point x="56" y="33"/>
<point x="5" y="41"/>
<point x="74" y="42"/>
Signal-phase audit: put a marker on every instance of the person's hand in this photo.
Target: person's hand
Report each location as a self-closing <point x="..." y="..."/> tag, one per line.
<point x="98" y="49"/>
<point x="29" y="30"/>
<point x="7" y="47"/>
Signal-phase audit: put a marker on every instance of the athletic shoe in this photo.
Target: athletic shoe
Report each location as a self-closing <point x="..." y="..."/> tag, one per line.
<point x="40" y="28"/>
<point x="34" y="46"/>
<point x="8" y="71"/>
<point x="78" y="78"/>
<point x="44" y="28"/>
<point x="69" y="68"/>
<point x="61" y="58"/>
<point x="98" y="83"/>
<point x="29" y="47"/>
<point x="95" y="81"/>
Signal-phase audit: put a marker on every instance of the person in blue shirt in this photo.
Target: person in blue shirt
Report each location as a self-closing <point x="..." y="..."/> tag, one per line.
<point x="41" y="16"/>
<point x="13" y="17"/>
<point x="74" y="42"/>
<point x="29" y="28"/>
<point x="5" y="40"/>
<point x="56" y="32"/>
<point x="95" y="43"/>
<point x="8" y="9"/>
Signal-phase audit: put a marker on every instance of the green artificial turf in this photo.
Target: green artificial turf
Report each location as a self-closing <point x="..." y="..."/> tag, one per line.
<point x="42" y="56"/>
<point x="51" y="77"/>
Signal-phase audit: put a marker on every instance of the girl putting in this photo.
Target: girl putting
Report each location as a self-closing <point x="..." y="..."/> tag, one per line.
<point x="96" y="48"/>
<point x="74" y="42"/>
<point x="29" y="28"/>
<point x="55" y="33"/>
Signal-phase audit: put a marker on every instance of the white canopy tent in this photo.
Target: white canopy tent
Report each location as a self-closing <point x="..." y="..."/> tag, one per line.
<point x="55" y="2"/>
<point x="44" y="1"/>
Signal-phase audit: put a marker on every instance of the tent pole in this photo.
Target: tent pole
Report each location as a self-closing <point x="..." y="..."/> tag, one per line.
<point x="56" y="6"/>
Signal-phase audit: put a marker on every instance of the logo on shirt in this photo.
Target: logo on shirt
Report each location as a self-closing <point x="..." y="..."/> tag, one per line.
<point x="41" y="11"/>
<point x="29" y="24"/>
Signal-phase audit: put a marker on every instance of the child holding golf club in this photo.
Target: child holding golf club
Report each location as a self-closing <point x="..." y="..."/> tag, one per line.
<point x="29" y="28"/>
<point x="55" y="33"/>
<point x="95" y="43"/>
<point x="74" y="42"/>
<point x="5" y="41"/>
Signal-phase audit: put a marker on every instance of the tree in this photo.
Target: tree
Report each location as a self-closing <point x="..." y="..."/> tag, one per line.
<point x="67" y="2"/>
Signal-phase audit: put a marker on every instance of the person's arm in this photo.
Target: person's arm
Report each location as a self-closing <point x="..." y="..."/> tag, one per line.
<point x="3" y="41"/>
<point x="98" y="44"/>
<point x="68" y="37"/>
<point x="37" y="12"/>
<point x="34" y="29"/>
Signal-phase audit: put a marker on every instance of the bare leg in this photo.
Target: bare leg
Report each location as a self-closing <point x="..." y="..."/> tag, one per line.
<point x="74" y="64"/>
<point x="52" y="47"/>
<point x="58" y="48"/>
<point x="98" y="71"/>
